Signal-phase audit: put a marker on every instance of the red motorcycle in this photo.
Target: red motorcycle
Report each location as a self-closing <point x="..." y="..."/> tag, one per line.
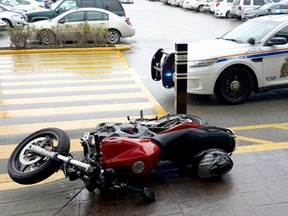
<point x="115" y="151"/>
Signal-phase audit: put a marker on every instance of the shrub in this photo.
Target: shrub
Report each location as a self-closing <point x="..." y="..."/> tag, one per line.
<point x="19" y="36"/>
<point x="85" y="36"/>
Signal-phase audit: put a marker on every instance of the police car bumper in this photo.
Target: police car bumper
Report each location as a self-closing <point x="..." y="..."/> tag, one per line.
<point x="200" y="81"/>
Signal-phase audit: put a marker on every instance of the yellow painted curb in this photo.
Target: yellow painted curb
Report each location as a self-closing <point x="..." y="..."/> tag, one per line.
<point x="116" y="47"/>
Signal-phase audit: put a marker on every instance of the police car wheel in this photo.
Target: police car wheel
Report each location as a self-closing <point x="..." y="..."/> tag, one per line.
<point x="234" y="86"/>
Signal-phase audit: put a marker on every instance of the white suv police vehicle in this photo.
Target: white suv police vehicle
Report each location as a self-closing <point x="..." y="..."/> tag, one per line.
<point x="251" y="57"/>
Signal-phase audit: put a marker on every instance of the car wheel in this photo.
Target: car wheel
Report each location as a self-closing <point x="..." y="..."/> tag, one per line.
<point x="234" y="86"/>
<point x="113" y="36"/>
<point x="200" y="9"/>
<point x="8" y="23"/>
<point x="47" y="37"/>
<point x="228" y="15"/>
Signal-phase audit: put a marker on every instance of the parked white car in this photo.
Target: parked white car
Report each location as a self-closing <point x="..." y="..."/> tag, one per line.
<point x="187" y="4"/>
<point x="201" y="5"/>
<point x="3" y="25"/>
<point x="212" y="5"/>
<point x="174" y="2"/>
<point x="241" y="61"/>
<point x="222" y="8"/>
<point x="17" y="5"/>
<point x="7" y="8"/>
<point x="32" y="3"/>
<point x="67" y="24"/>
<point x="239" y="6"/>
<point x="12" y="19"/>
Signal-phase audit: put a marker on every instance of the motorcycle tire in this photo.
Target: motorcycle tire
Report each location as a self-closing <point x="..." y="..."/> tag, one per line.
<point x="26" y="167"/>
<point x="193" y="118"/>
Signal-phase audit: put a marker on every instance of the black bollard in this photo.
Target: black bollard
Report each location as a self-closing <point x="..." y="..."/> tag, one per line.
<point x="180" y="78"/>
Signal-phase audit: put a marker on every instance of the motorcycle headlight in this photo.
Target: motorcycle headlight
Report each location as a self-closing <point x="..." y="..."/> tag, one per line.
<point x="201" y="63"/>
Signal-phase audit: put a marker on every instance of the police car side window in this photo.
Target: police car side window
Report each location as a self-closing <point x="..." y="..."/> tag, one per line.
<point x="283" y="33"/>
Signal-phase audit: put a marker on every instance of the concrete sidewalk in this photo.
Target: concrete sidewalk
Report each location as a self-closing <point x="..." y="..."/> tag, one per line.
<point x="256" y="186"/>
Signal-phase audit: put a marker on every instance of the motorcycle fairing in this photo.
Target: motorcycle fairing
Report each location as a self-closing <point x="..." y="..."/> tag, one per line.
<point x="121" y="153"/>
<point x="181" y="146"/>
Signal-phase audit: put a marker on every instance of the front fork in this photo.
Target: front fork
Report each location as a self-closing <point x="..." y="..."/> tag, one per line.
<point x="92" y="176"/>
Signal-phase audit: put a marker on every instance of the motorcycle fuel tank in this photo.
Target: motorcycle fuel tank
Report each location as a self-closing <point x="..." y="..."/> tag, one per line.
<point x="135" y="157"/>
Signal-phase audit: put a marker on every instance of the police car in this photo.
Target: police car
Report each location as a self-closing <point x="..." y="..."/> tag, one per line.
<point x="251" y="57"/>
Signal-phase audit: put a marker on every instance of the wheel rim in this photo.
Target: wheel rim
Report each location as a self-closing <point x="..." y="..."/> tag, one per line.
<point x="234" y="86"/>
<point x="29" y="161"/>
<point x="47" y="37"/>
<point x="8" y="23"/>
<point x="228" y="14"/>
<point x="113" y="37"/>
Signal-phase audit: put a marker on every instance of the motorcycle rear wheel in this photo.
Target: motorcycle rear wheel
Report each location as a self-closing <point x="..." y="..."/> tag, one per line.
<point x="26" y="167"/>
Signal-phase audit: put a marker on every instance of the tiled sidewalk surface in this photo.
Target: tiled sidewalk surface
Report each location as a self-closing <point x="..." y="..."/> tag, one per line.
<point x="256" y="186"/>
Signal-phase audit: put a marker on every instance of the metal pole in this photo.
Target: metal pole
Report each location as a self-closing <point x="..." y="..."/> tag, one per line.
<point x="180" y="78"/>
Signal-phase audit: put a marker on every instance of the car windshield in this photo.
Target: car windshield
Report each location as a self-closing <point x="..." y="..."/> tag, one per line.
<point x="54" y="5"/>
<point x="9" y="3"/>
<point x="256" y="29"/>
<point x="14" y="2"/>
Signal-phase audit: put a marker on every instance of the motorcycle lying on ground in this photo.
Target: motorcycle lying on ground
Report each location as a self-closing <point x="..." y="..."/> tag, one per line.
<point x="132" y="149"/>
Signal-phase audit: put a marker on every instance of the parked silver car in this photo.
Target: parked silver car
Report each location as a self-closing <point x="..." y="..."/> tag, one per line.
<point x="3" y="25"/>
<point x="238" y="6"/>
<point x="12" y="19"/>
<point x="267" y="9"/>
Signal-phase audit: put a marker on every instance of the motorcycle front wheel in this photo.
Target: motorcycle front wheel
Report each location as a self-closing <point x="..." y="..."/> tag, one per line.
<point x="27" y="167"/>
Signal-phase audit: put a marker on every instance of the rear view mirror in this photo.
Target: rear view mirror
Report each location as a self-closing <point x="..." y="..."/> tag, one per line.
<point x="277" y="41"/>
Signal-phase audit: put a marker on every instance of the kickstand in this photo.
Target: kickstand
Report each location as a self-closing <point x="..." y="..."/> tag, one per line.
<point x="145" y="192"/>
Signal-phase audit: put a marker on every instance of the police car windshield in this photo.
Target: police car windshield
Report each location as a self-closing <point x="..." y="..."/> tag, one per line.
<point x="256" y="29"/>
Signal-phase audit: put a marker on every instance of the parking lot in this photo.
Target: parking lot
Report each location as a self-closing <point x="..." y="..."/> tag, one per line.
<point x="75" y="91"/>
<point x="71" y="96"/>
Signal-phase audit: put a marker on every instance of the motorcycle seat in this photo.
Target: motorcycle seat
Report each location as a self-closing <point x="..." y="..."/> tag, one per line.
<point x="182" y="145"/>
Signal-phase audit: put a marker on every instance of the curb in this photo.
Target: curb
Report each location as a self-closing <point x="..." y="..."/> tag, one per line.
<point x="117" y="47"/>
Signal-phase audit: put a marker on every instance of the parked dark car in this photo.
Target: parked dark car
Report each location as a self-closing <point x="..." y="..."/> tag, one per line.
<point x="64" y="5"/>
<point x="267" y="9"/>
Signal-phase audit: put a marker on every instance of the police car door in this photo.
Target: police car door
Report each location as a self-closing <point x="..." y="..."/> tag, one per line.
<point x="275" y="63"/>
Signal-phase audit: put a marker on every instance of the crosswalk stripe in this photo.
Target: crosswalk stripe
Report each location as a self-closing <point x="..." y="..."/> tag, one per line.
<point x="10" y="130"/>
<point x="57" y="81"/>
<point x="42" y="100"/>
<point x="81" y="73"/>
<point x="67" y="89"/>
<point x="74" y="110"/>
